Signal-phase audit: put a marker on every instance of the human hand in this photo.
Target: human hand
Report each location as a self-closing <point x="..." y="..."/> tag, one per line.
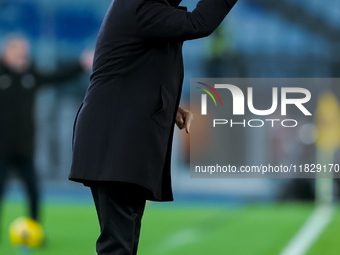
<point x="183" y="119"/>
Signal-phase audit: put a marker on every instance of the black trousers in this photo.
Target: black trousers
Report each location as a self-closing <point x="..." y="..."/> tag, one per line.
<point x="25" y="171"/>
<point x="120" y="208"/>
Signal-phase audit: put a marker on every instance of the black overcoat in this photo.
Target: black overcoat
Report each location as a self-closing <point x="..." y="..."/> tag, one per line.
<point x="17" y="99"/>
<point x="123" y="130"/>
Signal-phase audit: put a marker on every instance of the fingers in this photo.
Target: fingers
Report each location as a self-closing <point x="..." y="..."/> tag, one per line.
<point x="180" y="121"/>
<point x="183" y="119"/>
<point x="187" y="119"/>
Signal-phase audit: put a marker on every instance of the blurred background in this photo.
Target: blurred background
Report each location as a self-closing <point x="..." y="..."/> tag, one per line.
<point x="259" y="38"/>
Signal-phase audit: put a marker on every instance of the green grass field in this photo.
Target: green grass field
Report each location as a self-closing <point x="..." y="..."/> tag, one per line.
<point x="173" y="229"/>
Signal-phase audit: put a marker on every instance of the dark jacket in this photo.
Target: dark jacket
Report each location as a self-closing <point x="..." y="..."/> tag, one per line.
<point x="17" y="94"/>
<point x="123" y="131"/>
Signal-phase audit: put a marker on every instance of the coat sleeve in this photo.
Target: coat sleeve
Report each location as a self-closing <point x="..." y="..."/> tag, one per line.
<point x="61" y="75"/>
<point x="157" y="20"/>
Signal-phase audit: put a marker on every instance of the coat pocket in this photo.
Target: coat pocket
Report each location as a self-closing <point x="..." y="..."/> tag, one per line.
<point x="164" y="116"/>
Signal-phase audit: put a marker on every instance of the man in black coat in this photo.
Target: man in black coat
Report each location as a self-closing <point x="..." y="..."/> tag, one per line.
<point x="19" y="83"/>
<point x="124" y="128"/>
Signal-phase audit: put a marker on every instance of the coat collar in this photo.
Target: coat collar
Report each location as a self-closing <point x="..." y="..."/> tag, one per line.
<point x="174" y="2"/>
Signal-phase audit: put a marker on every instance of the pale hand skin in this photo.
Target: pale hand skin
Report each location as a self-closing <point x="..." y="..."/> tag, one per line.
<point x="183" y="119"/>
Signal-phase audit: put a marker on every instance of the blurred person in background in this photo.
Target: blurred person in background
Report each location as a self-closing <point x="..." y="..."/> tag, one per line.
<point x="19" y="83"/>
<point x="124" y="128"/>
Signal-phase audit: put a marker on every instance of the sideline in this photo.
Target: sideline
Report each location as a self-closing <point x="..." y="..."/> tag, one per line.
<point x="310" y="231"/>
<point x="177" y="239"/>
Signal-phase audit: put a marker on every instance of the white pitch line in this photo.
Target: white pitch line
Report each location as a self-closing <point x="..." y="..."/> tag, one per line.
<point x="310" y="231"/>
<point x="178" y="239"/>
